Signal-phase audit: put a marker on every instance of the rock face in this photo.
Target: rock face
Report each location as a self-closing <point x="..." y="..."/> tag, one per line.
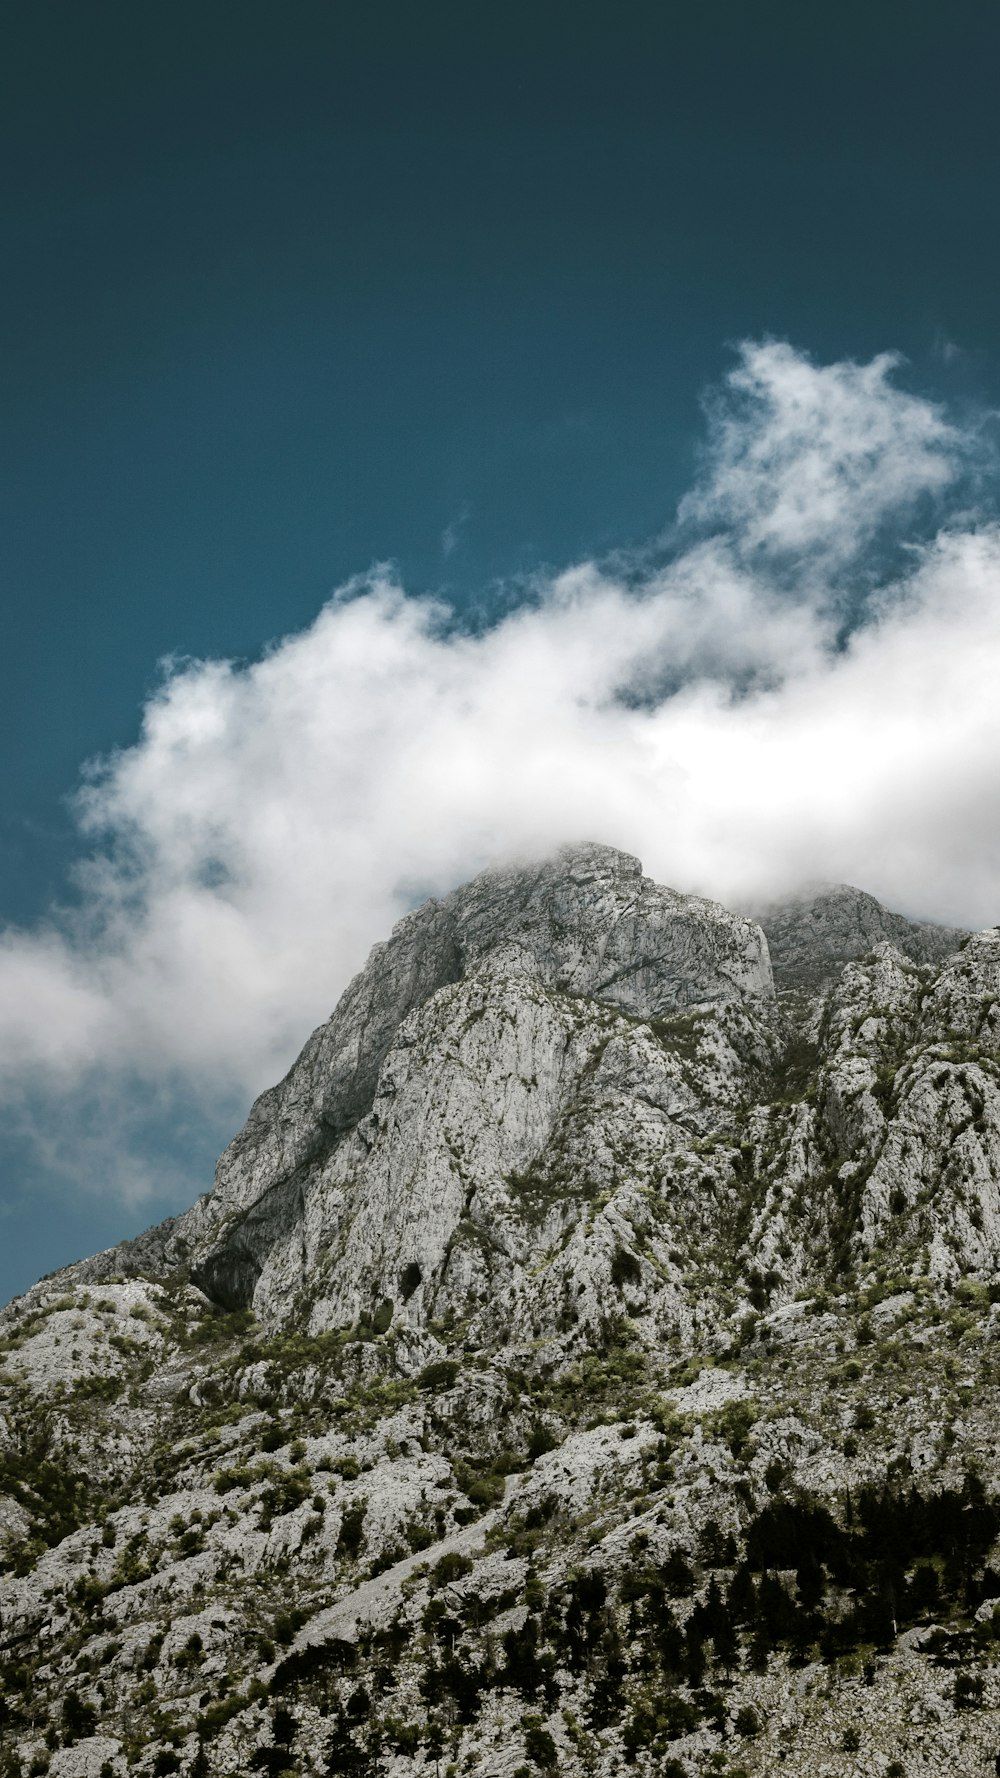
<point x="587" y="1357"/>
<point x="397" y="1141"/>
<point x="812" y="937"/>
<point x="450" y="1100"/>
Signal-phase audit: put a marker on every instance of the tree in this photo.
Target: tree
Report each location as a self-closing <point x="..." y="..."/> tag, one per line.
<point x="520" y="1649"/>
<point x="345" y="1759"/>
<point x="726" y="1642"/>
<point x="79" y="1718"/>
<point x="742" y="1595"/>
<point x="810" y="1582"/>
<point x="694" y="1657"/>
<point x="760" y="1649"/>
<point x="283" y="1726"/>
<point x="540" y="1747"/>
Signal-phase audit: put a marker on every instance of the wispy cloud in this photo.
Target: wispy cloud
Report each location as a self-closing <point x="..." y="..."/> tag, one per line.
<point x="946" y="348"/>
<point x="451" y="536"/>
<point x="274" y="819"/>
<point x="806" y="458"/>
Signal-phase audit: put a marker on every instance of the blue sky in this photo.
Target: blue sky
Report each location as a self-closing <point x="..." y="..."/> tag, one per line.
<point x="289" y="293"/>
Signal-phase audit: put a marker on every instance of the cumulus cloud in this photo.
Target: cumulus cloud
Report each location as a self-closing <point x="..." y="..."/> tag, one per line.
<point x="274" y="819"/>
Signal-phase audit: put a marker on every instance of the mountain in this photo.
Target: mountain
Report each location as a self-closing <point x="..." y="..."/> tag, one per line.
<point x="585" y="1361"/>
<point x="812" y="937"/>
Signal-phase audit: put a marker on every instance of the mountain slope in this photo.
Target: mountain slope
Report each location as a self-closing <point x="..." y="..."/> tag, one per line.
<point x="587" y="1358"/>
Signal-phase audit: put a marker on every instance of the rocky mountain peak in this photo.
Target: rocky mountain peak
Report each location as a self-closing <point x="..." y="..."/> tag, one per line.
<point x="586" y="1361"/>
<point x="587" y="921"/>
<point x="477" y="1003"/>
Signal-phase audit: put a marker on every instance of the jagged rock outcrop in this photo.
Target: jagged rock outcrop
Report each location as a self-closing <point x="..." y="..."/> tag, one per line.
<point x="812" y="936"/>
<point x="587" y="1359"/>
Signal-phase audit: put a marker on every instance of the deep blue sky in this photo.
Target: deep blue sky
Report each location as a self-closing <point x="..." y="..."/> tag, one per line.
<point x="291" y="288"/>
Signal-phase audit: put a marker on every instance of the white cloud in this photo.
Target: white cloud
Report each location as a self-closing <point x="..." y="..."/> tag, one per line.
<point x="816" y="458"/>
<point x="273" y="820"/>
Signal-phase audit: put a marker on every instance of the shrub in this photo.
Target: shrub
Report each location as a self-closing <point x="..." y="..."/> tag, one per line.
<point x="747" y="1722"/>
<point x="540" y="1441"/>
<point x="440" y="1375"/>
<point x="98" y="1388"/>
<point x="540" y="1747"/>
<point x="410" y="1279"/>
<point x="238" y="1476"/>
<point x="191" y="1654"/>
<point x="484" y="1490"/>
<point x="334" y="1656"/>
<point x="419" y="1537"/>
<point x="969" y="1688"/>
<point x="382" y="1318"/>
<point x="285" y="1495"/>
<point x="403" y="1737"/>
<point x="271" y="1760"/>
<point x="450" y="1568"/>
<point x="733" y="1423"/>
<point x="625" y="1268"/>
<point x="223" y="1711"/>
<point x="508" y="1463"/>
<point x="352" y="1530"/>
<point x="79" y="1718"/>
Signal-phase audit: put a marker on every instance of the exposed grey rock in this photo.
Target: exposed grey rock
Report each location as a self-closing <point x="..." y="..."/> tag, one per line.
<point x="565" y="1264"/>
<point x="813" y="935"/>
<point x="453" y="1055"/>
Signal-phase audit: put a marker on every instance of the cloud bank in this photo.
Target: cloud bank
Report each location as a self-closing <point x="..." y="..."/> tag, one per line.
<point x="713" y="713"/>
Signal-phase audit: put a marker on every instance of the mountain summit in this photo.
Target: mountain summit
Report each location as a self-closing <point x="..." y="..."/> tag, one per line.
<point x="585" y="1359"/>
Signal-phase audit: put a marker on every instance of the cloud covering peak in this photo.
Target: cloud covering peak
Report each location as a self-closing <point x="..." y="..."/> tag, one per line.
<point x="711" y="714"/>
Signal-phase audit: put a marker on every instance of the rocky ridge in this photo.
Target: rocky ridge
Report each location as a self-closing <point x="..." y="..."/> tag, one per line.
<point x="586" y="1361"/>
